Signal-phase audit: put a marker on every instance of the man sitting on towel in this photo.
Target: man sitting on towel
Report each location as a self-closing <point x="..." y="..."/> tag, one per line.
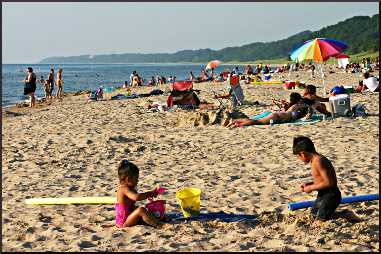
<point x="316" y="102"/>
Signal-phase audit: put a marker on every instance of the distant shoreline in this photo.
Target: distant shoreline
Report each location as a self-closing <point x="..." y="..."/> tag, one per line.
<point x="278" y="61"/>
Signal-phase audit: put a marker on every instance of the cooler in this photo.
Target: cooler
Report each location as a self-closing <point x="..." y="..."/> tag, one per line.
<point x="340" y="105"/>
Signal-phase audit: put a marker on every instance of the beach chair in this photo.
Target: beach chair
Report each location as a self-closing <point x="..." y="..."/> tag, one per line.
<point x="224" y="102"/>
<point x="183" y="94"/>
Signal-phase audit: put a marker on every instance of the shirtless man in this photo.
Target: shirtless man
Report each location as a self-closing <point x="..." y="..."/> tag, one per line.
<point x="50" y="82"/>
<point x="324" y="179"/>
<point x="30" y="86"/>
<point x="59" y="84"/>
<point x="311" y="99"/>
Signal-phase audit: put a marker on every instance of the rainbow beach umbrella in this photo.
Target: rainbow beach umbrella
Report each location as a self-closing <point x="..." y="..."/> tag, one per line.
<point x="318" y="50"/>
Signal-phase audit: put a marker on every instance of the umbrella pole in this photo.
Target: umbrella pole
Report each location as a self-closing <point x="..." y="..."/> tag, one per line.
<point x="322" y="76"/>
<point x="289" y="73"/>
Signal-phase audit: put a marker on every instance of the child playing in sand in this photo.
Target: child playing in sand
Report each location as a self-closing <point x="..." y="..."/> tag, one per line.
<point x="324" y="179"/>
<point x="126" y="213"/>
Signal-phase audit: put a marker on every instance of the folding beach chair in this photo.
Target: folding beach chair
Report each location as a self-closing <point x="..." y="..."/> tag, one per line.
<point x="183" y="94"/>
<point x="234" y="81"/>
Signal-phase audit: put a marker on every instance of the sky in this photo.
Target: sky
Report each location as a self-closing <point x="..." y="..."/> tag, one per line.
<point x="33" y="31"/>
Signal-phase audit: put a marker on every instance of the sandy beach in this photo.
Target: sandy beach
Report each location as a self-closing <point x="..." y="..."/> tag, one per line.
<point x="72" y="148"/>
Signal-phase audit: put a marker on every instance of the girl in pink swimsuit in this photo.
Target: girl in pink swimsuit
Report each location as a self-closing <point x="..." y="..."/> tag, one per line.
<point x="126" y="215"/>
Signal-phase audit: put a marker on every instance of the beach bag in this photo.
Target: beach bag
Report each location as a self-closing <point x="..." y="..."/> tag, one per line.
<point x="359" y="110"/>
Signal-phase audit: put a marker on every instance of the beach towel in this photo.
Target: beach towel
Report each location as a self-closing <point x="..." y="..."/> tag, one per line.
<point x="314" y="119"/>
<point x="122" y="96"/>
<point x="222" y="216"/>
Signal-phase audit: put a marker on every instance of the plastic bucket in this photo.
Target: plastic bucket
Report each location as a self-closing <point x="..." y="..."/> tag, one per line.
<point x="189" y="200"/>
<point x="157" y="208"/>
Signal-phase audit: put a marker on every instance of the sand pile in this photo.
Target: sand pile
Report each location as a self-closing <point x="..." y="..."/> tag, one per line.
<point x="220" y="117"/>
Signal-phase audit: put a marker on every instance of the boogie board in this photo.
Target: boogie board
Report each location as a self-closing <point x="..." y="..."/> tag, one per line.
<point x="267" y="82"/>
<point x="70" y="200"/>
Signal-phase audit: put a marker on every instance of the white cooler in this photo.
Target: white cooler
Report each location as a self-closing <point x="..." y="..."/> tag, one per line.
<point x="340" y="105"/>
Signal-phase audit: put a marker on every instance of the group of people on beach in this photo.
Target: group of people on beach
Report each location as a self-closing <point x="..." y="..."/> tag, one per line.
<point x="323" y="172"/>
<point x="366" y="65"/>
<point x="137" y="80"/>
<point x="30" y="85"/>
<point x="127" y="214"/>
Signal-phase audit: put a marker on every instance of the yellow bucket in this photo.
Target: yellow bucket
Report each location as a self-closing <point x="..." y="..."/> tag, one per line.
<point x="189" y="200"/>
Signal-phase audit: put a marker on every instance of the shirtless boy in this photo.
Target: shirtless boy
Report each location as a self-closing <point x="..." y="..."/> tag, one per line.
<point x="324" y="179"/>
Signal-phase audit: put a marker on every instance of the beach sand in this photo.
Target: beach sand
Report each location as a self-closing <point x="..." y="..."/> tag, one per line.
<point x="72" y="148"/>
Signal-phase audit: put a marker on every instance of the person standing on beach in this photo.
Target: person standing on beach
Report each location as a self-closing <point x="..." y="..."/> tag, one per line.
<point x="30" y="86"/>
<point x="59" y="84"/>
<point x="50" y="81"/>
<point x="324" y="179"/>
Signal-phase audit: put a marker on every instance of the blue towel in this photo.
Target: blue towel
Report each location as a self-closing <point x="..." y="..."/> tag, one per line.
<point x="222" y="216"/>
<point x="261" y="115"/>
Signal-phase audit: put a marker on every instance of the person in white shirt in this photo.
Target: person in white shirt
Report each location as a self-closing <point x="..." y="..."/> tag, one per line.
<point x="371" y="83"/>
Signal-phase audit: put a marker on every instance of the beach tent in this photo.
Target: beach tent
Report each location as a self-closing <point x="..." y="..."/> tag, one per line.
<point x="342" y="60"/>
<point x="318" y="50"/>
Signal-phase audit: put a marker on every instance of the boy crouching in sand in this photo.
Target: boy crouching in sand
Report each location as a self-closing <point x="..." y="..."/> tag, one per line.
<point x="324" y="179"/>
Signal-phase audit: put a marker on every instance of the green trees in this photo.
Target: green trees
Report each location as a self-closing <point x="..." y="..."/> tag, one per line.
<point x="360" y="33"/>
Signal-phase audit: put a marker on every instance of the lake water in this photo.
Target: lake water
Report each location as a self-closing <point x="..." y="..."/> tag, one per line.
<point x="90" y="76"/>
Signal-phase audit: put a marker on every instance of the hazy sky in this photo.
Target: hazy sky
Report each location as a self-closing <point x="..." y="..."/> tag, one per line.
<point x="33" y="31"/>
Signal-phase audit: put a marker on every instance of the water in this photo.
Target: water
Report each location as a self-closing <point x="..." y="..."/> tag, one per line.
<point x="90" y="76"/>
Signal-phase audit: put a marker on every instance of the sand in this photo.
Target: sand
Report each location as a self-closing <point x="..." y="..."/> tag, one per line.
<point x="72" y="148"/>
